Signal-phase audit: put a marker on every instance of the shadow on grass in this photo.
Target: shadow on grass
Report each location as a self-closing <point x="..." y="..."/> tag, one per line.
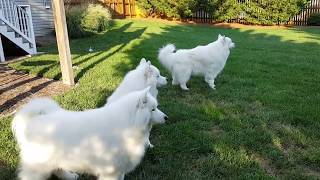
<point x="265" y="114"/>
<point x="261" y="122"/>
<point x="101" y="44"/>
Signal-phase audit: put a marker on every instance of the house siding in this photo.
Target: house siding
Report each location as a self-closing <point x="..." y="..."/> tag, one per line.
<point x="21" y="1"/>
<point x="42" y="18"/>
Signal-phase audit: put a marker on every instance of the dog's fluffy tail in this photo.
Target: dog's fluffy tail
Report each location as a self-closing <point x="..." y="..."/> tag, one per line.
<point x="36" y="107"/>
<point x="164" y="53"/>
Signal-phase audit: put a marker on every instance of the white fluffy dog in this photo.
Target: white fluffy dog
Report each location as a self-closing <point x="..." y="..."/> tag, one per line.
<point x="143" y="76"/>
<point x="207" y="61"/>
<point x="108" y="142"/>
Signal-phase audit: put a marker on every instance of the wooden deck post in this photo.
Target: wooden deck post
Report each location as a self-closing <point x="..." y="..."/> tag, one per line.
<point x="63" y="41"/>
<point x="2" y="58"/>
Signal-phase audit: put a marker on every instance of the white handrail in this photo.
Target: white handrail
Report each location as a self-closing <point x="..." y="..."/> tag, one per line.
<point x="19" y="18"/>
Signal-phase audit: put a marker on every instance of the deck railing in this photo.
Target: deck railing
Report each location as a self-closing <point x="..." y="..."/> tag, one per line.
<point x="18" y="17"/>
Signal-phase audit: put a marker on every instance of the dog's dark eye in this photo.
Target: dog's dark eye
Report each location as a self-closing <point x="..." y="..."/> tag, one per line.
<point x="153" y="109"/>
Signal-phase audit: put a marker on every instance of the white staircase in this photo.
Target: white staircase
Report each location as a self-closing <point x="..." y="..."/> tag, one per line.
<point x="16" y="25"/>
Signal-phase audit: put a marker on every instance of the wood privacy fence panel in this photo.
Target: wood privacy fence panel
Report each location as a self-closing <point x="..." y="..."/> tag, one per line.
<point x="121" y="8"/>
<point x="302" y="18"/>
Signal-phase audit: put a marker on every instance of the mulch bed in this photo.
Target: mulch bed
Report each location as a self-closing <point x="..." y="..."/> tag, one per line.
<point x="17" y="88"/>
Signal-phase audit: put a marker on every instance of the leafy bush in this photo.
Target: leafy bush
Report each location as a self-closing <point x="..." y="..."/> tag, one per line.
<point x="74" y="16"/>
<point x="272" y="11"/>
<point x="96" y="18"/>
<point x="314" y="19"/>
<point x="264" y="12"/>
<point x="168" y="8"/>
<point x="85" y="20"/>
<point x="228" y="9"/>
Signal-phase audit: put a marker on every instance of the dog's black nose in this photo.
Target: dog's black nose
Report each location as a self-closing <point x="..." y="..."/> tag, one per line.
<point x="166" y="118"/>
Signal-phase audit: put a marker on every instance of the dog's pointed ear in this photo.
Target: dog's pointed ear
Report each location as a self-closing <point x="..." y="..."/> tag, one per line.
<point x="143" y="98"/>
<point x="141" y="119"/>
<point x="143" y="61"/>
<point x="222" y="39"/>
<point x="148" y="70"/>
<point x="145" y="93"/>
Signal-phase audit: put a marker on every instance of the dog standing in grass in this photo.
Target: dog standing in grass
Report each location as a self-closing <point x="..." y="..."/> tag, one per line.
<point x="108" y="142"/>
<point x="207" y="61"/>
<point x="144" y="75"/>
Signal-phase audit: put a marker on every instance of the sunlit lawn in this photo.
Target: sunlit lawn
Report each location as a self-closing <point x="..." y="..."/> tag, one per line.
<point x="263" y="120"/>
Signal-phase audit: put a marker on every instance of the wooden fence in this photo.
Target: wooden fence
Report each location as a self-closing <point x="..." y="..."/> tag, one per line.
<point x="121" y="8"/>
<point x="126" y="8"/>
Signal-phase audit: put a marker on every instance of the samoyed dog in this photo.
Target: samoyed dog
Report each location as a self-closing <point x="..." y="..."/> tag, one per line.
<point x="143" y="76"/>
<point x="108" y="142"/>
<point x="207" y="61"/>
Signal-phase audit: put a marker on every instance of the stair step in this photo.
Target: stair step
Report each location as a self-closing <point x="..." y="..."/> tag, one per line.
<point x="17" y="39"/>
<point x="9" y="27"/>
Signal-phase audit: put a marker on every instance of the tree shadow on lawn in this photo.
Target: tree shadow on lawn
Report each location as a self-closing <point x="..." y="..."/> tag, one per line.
<point x="261" y="122"/>
<point x="312" y="31"/>
<point x="82" y="60"/>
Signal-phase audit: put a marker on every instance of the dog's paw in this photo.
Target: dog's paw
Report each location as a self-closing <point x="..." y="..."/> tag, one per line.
<point x="76" y="176"/>
<point x="71" y="176"/>
<point x="184" y="87"/>
<point x="212" y="86"/>
<point x="174" y="82"/>
<point x="151" y="146"/>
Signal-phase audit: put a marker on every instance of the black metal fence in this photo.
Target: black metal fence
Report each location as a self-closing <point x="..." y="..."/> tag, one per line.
<point x="301" y="19"/>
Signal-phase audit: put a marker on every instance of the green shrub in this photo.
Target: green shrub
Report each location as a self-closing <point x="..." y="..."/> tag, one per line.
<point x="314" y="19"/>
<point x="74" y="16"/>
<point x="96" y="18"/>
<point x="168" y="8"/>
<point x="228" y="9"/>
<point x="85" y="20"/>
<point x="266" y="12"/>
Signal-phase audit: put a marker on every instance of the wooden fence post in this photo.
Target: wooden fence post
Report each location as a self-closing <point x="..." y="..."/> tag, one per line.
<point x="124" y="8"/>
<point x="63" y="41"/>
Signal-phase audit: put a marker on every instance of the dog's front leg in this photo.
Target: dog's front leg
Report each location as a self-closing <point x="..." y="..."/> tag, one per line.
<point x="212" y="85"/>
<point x="66" y="175"/>
<point x="174" y="80"/>
<point x="112" y="176"/>
<point x="121" y="177"/>
<point x="210" y="81"/>
<point x="149" y="144"/>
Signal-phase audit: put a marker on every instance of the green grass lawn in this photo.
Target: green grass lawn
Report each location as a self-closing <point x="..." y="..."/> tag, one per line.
<point x="262" y="122"/>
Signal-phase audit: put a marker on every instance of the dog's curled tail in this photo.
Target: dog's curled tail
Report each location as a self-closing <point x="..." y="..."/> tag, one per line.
<point x="36" y="107"/>
<point x="163" y="54"/>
